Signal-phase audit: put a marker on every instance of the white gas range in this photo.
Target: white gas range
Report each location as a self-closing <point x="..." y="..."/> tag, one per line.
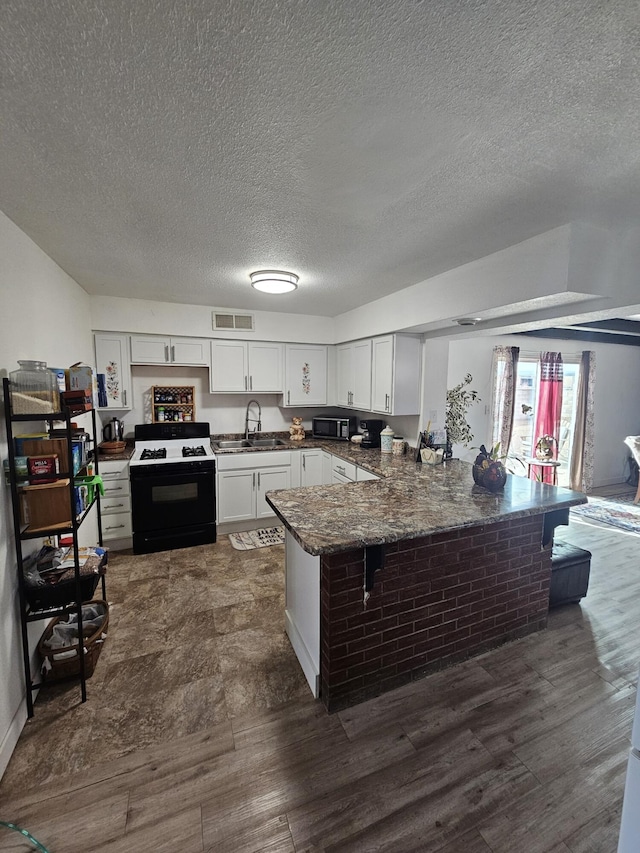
<point x="172" y="473"/>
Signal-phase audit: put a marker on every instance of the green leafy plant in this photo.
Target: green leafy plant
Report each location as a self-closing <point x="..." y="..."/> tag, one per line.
<point x="459" y="401"/>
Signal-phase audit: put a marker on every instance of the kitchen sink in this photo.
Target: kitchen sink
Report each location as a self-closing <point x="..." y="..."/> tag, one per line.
<point x="267" y="442"/>
<point x="235" y="444"/>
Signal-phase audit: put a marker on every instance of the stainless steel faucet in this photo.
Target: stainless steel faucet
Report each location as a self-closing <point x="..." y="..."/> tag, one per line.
<point x="258" y="422"/>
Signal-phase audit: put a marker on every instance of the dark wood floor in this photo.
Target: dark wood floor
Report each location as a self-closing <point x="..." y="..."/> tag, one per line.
<point x="522" y="749"/>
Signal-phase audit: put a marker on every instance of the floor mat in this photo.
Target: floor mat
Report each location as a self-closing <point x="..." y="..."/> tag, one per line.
<point x="619" y="512"/>
<point x="257" y="538"/>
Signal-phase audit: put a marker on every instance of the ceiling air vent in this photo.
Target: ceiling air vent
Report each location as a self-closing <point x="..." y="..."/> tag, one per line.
<point x="233" y="322"/>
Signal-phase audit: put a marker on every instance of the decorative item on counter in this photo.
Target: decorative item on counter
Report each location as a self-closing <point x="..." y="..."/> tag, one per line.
<point x="398" y="446"/>
<point x="113" y="447"/>
<point x="459" y="400"/>
<point x="545" y="447"/>
<point x="296" y="430"/>
<point x="386" y="440"/>
<point x="34" y="389"/>
<point x="488" y="471"/>
<point x="114" y="430"/>
<point x="431" y="456"/>
<point x="356" y="438"/>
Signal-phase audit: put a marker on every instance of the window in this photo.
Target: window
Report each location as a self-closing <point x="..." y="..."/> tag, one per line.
<point x="523" y="441"/>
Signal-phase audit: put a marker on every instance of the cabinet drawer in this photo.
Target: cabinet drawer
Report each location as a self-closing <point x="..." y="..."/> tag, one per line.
<point x="116" y="526"/>
<point x="344" y="469"/>
<point x="112" y="503"/>
<point x="114" y="470"/>
<point x="115" y="488"/>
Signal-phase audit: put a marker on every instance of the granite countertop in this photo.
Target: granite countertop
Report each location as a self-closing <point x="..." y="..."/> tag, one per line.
<point x="411" y="500"/>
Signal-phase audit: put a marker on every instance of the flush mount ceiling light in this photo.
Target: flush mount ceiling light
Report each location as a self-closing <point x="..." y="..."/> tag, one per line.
<point x="274" y="281"/>
<point x="467" y="321"/>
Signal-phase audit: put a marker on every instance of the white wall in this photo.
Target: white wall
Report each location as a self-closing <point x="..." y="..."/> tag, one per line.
<point x="115" y="314"/>
<point x="44" y="316"/>
<point x="616" y="400"/>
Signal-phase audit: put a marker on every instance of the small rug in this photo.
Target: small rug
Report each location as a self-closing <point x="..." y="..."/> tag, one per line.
<point x="261" y="538"/>
<point x="618" y="512"/>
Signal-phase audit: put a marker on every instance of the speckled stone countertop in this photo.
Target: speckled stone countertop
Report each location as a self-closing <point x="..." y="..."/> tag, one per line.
<point x="410" y="500"/>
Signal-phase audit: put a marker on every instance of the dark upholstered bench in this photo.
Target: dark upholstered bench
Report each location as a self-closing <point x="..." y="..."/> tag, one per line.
<point x="570" y="567"/>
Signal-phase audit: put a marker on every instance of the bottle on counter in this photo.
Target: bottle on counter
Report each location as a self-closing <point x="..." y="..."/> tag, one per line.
<point x="386" y="440"/>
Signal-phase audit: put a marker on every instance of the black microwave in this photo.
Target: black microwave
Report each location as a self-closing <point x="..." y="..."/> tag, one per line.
<point x="339" y="428"/>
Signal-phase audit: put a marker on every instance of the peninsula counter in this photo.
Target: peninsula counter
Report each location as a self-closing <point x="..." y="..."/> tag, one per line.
<point x="389" y="580"/>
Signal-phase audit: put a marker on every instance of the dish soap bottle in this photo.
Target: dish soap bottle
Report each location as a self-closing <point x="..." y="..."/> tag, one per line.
<point x="386" y="440"/>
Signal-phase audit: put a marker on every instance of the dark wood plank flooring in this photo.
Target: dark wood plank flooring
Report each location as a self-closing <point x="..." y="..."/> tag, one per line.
<point x="521" y="749"/>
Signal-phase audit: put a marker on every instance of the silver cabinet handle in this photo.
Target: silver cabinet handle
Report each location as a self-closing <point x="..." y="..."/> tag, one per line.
<point x="254" y="479"/>
<point x="250" y="383"/>
<point x="115" y="489"/>
<point x="124" y="397"/>
<point x="386" y="402"/>
<point x="258" y="479"/>
<point x="340" y="469"/>
<point x="114" y="527"/>
<point x="245" y="383"/>
<point x="304" y="463"/>
<point x="288" y="397"/>
<point x="111" y="506"/>
<point x="166" y="352"/>
<point x="173" y="353"/>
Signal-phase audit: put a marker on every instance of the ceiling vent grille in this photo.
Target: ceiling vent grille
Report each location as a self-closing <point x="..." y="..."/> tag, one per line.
<point x="233" y="322"/>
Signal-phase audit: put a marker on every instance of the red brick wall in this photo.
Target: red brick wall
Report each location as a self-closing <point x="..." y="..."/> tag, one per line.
<point x="436" y="601"/>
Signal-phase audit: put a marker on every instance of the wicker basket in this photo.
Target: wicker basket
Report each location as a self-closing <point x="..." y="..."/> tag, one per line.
<point x="57" y="663"/>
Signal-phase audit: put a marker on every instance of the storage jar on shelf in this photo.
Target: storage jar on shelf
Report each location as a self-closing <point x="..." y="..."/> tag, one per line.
<point x="34" y="389"/>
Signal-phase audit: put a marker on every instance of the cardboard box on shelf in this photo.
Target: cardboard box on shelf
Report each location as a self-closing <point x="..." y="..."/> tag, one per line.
<point x="39" y="446"/>
<point x="80" y="378"/>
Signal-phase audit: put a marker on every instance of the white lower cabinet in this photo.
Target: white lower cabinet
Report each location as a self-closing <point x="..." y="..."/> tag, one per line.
<point x="342" y="471"/>
<point x="362" y="474"/>
<point x="243" y="479"/>
<point x="311" y="467"/>
<point x="115" y="505"/>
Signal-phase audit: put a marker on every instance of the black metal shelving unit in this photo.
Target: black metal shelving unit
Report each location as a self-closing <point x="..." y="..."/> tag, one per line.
<point x="22" y="533"/>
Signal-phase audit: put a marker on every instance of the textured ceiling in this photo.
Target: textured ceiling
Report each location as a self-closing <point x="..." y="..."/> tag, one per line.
<point x="165" y="149"/>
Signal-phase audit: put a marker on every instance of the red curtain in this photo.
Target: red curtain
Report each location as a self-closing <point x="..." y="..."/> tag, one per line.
<point x="548" y="409"/>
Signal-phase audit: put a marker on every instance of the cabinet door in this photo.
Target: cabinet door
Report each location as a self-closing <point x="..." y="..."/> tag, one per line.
<point x="305" y="375"/>
<point x="327" y="462"/>
<point x="361" y="384"/>
<point x="265" y="367"/>
<point x="311" y="473"/>
<point x="112" y="359"/>
<point x="189" y="351"/>
<point x="229" y="368"/>
<point x="236" y="495"/>
<point x="267" y="480"/>
<point x="146" y="349"/>
<point x="382" y="375"/>
<point x="344" y="374"/>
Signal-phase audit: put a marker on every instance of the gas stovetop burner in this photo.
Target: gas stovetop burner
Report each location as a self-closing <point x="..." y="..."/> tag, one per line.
<point x="159" y="453"/>
<point x="194" y="451"/>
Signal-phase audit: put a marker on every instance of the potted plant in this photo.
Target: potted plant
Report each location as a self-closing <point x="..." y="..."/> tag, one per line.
<point x="488" y="471"/>
<point x="459" y="400"/>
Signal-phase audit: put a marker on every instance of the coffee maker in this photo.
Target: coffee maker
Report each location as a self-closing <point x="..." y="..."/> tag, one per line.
<point x="371" y="430"/>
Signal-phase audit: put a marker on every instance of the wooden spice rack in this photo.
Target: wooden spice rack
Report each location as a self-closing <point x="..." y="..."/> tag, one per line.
<point x="173" y="402"/>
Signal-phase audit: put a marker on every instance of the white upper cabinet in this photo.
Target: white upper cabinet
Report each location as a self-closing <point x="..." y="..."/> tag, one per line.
<point x="353" y="372"/>
<point x="246" y="366"/>
<point x="305" y="375"/>
<point x="151" y="349"/>
<point x="112" y="360"/>
<point x="396" y="371"/>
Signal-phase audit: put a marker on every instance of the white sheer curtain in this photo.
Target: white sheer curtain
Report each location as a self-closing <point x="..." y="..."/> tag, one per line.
<point x="505" y="374"/>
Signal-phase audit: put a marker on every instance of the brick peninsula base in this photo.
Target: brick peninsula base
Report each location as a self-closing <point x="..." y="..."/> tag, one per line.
<point x="436" y="600"/>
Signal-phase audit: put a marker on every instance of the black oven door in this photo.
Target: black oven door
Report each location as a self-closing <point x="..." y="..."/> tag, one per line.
<point x="172" y="508"/>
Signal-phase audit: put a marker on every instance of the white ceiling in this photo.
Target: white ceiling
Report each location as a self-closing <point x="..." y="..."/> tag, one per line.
<point x="163" y="150"/>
